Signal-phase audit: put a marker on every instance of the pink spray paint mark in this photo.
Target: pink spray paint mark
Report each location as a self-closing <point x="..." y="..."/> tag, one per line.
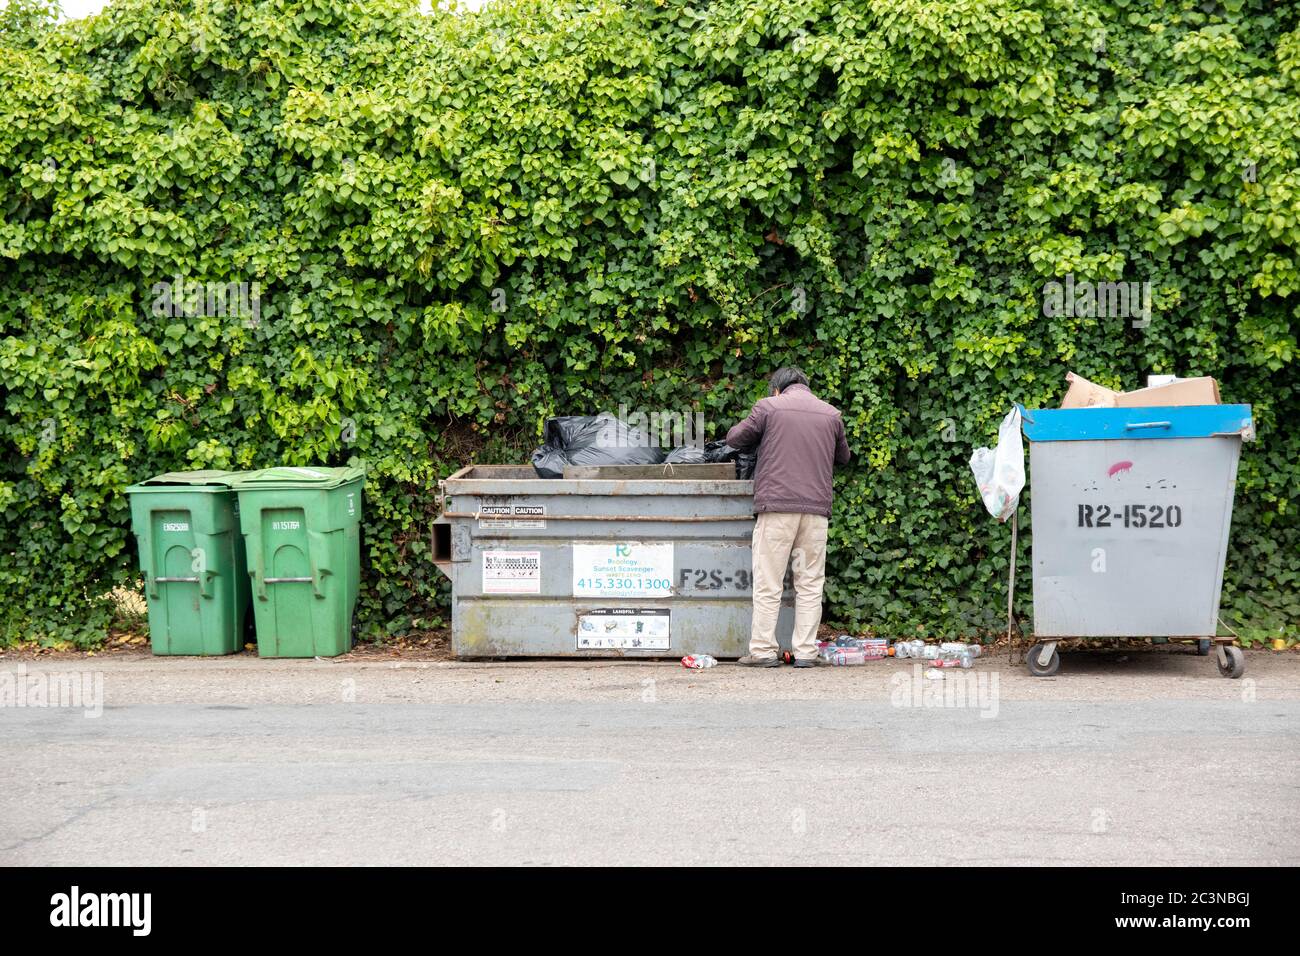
<point x="1119" y="466"/>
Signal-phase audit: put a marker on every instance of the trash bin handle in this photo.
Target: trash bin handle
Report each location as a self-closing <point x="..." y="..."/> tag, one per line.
<point x="200" y="580"/>
<point x="260" y="581"/>
<point x="1149" y="425"/>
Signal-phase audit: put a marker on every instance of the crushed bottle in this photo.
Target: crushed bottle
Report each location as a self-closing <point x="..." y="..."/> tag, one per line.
<point x="947" y="654"/>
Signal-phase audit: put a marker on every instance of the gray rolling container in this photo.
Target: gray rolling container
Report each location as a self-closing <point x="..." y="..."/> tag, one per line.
<point x="1131" y="511"/>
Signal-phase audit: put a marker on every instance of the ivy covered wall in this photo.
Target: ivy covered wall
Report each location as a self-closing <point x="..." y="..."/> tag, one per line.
<point x="447" y="227"/>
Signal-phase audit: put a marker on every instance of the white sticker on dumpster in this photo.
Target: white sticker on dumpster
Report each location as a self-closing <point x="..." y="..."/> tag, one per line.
<point x="512" y="517"/>
<point x="625" y="569"/>
<point x="512" y="572"/>
<point x="625" y="628"/>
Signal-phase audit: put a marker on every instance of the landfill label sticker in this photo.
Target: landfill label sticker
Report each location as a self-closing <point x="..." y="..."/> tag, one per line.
<point x="625" y="628"/>
<point x="512" y="572"/>
<point x="625" y="569"/>
<point x="512" y="517"/>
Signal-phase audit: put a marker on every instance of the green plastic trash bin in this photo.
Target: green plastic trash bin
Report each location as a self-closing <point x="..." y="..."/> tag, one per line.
<point x="301" y="530"/>
<point x="186" y="524"/>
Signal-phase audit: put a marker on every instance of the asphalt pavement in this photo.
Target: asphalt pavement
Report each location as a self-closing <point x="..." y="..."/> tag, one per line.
<point x="1146" y="758"/>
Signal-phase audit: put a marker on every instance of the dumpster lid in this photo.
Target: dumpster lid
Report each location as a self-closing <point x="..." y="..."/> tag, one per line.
<point x="208" y="480"/>
<point x="289" y="476"/>
<point x="1167" y="421"/>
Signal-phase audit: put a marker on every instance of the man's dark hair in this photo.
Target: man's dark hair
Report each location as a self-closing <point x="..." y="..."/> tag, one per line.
<point x="783" y="378"/>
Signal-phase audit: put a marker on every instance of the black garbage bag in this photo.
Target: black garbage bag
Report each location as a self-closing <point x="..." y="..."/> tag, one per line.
<point x="746" y="464"/>
<point x="687" y="455"/>
<point x="592" y="440"/>
<point x="716" y="451"/>
<point x="746" y="461"/>
<point x="549" y="462"/>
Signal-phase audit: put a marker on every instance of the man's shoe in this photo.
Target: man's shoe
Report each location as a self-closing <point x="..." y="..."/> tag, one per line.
<point x="750" y="661"/>
<point x="808" y="662"/>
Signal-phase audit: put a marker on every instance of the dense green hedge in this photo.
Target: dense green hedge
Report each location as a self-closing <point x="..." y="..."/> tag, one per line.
<point x="461" y="224"/>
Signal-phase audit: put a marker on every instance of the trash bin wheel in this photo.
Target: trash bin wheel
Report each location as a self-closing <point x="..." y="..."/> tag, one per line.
<point x="1037" y="669"/>
<point x="1236" y="663"/>
<point x="1203" y="647"/>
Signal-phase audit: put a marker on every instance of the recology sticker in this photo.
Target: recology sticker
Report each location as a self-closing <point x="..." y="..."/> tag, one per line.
<point x="512" y="572"/>
<point x="625" y="628"/>
<point x="625" y="569"/>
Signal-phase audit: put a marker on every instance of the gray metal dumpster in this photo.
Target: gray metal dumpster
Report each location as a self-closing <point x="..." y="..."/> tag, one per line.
<point x="565" y="567"/>
<point x="1131" y="509"/>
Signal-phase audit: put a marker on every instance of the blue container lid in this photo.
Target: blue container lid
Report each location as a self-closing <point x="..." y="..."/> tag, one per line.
<point x="1169" y="421"/>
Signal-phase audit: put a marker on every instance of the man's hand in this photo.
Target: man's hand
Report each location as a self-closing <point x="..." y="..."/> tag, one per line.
<point x="842" y="454"/>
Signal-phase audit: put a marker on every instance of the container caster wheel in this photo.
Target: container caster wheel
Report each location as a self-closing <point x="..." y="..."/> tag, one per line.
<point x="1232" y="663"/>
<point x="1203" y="648"/>
<point x="1039" y="669"/>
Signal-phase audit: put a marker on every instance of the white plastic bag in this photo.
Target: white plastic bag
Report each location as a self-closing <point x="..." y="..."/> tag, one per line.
<point x="1000" y="473"/>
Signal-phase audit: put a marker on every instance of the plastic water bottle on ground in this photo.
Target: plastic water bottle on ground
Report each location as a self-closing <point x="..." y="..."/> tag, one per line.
<point x="699" y="661"/>
<point x="848" y="656"/>
<point x="875" y="648"/>
<point x="958" y="660"/>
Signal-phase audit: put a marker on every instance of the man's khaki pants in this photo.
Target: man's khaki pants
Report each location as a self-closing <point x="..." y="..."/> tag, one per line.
<point x="777" y="537"/>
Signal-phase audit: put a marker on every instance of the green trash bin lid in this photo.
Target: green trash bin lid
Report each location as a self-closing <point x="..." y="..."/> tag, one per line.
<point x="288" y="476"/>
<point x="209" y="480"/>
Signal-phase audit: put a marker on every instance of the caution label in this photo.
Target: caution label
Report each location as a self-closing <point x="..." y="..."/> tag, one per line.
<point x="512" y="517"/>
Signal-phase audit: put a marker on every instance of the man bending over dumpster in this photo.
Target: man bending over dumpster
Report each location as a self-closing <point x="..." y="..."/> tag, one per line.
<point x="800" y="439"/>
